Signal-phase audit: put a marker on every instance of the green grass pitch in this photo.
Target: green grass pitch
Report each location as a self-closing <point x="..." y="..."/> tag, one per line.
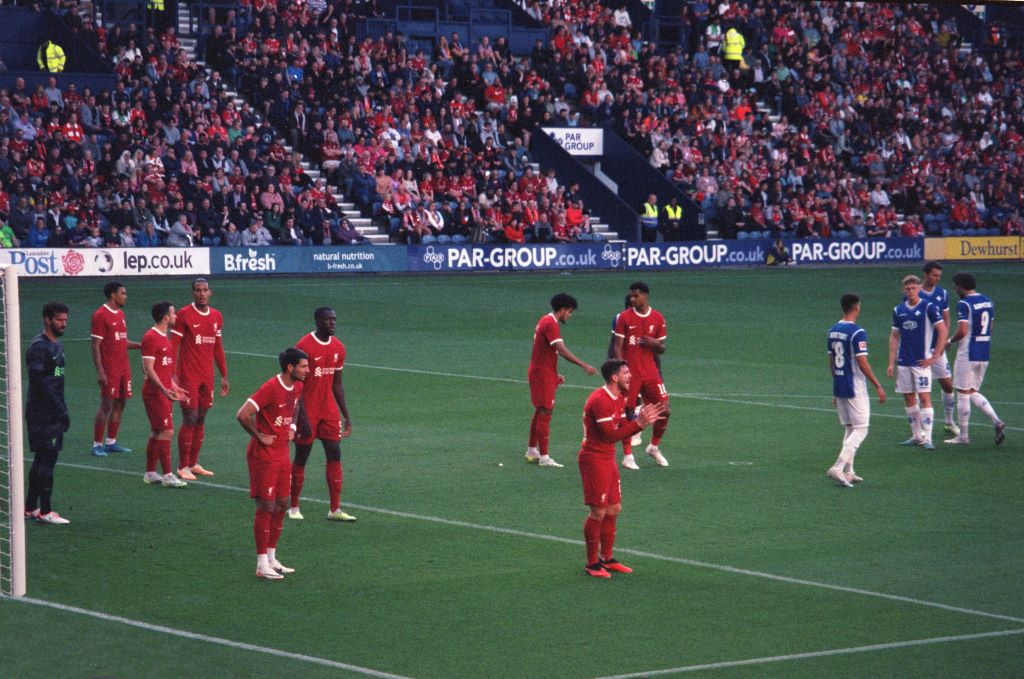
<point x="462" y="568"/>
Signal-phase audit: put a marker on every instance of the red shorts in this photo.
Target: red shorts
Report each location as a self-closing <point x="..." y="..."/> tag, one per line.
<point x="118" y="386"/>
<point x="199" y="394"/>
<point x="323" y="428"/>
<point x="601" y="483"/>
<point x="270" y="474"/>
<point x="652" y="389"/>
<point x="158" y="408"/>
<point x="542" y="391"/>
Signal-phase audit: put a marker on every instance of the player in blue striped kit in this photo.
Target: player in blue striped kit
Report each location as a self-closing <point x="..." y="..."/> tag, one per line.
<point x="975" y="314"/>
<point x="913" y="322"/>
<point x="848" y="363"/>
<point x="941" y="373"/>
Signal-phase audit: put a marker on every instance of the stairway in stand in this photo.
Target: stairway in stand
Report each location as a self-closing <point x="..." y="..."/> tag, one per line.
<point x="363" y="225"/>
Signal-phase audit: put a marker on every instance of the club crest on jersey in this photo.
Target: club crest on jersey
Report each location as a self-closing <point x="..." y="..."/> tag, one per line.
<point x="862" y="345"/>
<point x="909" y="325"/>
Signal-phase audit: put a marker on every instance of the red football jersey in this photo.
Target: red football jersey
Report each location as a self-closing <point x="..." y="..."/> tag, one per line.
<point x="544" y="359"/>
<point x="275" y="405"/>
<point x="110" y="328"/>
<point x="631" y="326"/>
<point x="605" y="423"/>
<point x="156" y="346"/>
<point x="199" y="333"/>
<point x="325" y="359"/>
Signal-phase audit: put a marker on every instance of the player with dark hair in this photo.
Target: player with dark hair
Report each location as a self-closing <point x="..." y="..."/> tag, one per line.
<point x="46" y="412"/>
<point x="543" y="376"/>
<point x="605" y="423"/>
<point x="640" y="336"/>
<point x="158" y="391"/>
<point x="110" y="345"/>
<point x="931" y="292"/>
<point x="628" y="461"/>
<point x="325" y="412"/>
<point x="197" y="332"/>
<point x="269" y="417"/>
<point x="848" y="363"/>
<point x="975" y="316"/>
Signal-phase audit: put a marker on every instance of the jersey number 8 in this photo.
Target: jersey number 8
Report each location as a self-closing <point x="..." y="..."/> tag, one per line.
<point x="838" y="355"/>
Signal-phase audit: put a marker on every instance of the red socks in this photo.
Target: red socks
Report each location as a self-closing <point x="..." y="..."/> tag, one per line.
<point x="185" y="435"/>
<point x="113" y="426"/>
<point x="152" y="453"/>
<point x="276" y="521"/>
<point x="334" y="478"/>
<point x="533" y="430"/>
<point x="592" y="536"/>
<point x="543" y="431"/>
<point x="158" y="449"/>
<point x="197" y="444"/>
<point x="658" y="430"/>
<point x="261" y="530"/>
<point x="164" y="450"/>
<point x="97" y="431"/>
<point x="608" y="536"/>
<point x="298" y="478"/>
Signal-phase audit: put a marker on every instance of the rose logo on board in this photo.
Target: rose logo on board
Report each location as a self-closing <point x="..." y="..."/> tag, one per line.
<point x="73" y="263"/>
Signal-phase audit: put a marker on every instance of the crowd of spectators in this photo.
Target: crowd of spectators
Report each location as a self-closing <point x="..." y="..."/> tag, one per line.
<point x="850" y="119"/>
<point x="839" y="119"/>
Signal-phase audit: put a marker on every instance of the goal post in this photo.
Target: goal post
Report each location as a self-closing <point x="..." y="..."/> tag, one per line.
<point x="12" y="475"/>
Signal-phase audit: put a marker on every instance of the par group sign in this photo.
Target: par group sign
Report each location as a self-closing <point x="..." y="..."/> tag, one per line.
<point x="578" y="141"/>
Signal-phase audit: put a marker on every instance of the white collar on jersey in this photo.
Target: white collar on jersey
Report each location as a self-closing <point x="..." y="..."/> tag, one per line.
<point x="281" y="382"/>
<point x="113" y="311"/>
<point x="649" y="310"/>
<point x="610" y="394"/>
<point x="201" y="313"/>
<point x="317" y="339"/>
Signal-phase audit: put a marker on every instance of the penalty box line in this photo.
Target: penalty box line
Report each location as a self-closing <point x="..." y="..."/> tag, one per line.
<point x="624" y="550"/>
<point x="818" y="654"/>
<point x="512" y="380"/>
<point x="195" y="636"/>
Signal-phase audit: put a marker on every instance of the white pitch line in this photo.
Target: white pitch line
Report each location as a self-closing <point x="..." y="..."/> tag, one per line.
<point x="818" y="654"/>
<point x="623" y="550"/>
<point x="511" y="380"/>
<point x="185" y="634"/>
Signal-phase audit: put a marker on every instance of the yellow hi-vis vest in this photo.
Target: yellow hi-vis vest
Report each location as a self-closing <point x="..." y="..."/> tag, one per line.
<point x="734" y="44"/>
<point x="674" y="212"/>
<point x="157" y="5"/>
<point x="50" y="57"/>
<point x="650" y="210"/>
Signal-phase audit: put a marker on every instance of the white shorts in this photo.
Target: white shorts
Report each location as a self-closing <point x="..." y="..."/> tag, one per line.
<point x="854" y="412"/>
<point x="940" y="369"/>
<point x="912" y="379"/>
<point x="968" y="375"/>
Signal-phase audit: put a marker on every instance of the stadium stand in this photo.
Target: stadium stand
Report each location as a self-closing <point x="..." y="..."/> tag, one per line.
<point x="837" y="120"/>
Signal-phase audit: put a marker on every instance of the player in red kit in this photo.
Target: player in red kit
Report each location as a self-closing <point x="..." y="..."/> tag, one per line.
<point x="110" y="347"/>
<point x="543" y="375"/>
<point x="158" y="392"/>
<point x="326" y="414"/>
<point x="197" y="344"/>
<point x="269" y="417"/>
<point x="605" y="423"/>
<point x="639" y="339"/>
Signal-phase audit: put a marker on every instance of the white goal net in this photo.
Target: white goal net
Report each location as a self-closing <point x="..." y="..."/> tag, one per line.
<point x="12" y="478"/>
